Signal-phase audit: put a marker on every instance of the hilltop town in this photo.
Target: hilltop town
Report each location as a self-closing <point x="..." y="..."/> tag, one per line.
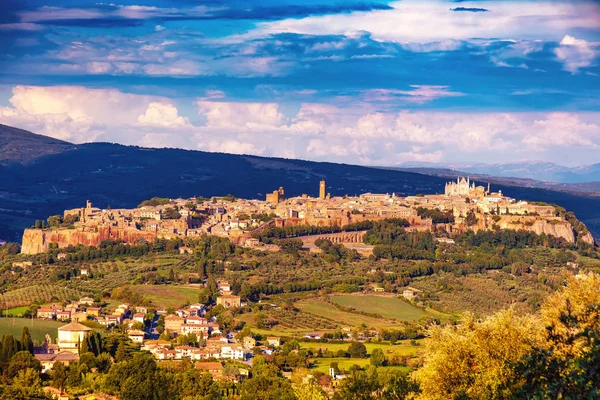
<point x="463" y="206"/>
<point x="314" y="291"/>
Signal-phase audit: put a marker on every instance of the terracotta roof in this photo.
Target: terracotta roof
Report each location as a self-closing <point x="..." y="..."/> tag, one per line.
<point x="75" y="326"/>
<point x="62" y="356"/>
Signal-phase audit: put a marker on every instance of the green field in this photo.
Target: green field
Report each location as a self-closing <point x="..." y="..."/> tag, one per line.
<point x="323" y="364"/>
<point x="17" y="311"/>
<point x="168" y="296"/>
<point x="38" y="328"/>
<point x="403" y="348"/>
<point x="387" y="307"/>
<point x="323" y="309"/>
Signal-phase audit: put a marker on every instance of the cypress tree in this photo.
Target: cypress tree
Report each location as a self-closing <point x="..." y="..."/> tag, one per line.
<point x="26" y="342"/>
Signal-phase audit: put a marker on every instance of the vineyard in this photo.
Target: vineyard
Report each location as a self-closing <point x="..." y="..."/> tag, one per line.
<point x="38" y="294"/>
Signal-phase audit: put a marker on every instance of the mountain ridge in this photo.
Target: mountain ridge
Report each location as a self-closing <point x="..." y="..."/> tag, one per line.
<point x="537" y="170"/>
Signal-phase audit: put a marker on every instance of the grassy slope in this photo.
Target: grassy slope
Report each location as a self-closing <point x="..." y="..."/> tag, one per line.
<point x="323" y="364"/>
<point x="387" y="307"/>
<point x="37" y="328"/>
<point x="168" y="296"/>
<point x="324" y="309"/>
<point x="402" y="349"/>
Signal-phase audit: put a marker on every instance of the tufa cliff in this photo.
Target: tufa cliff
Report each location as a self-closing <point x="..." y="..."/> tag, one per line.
<point x="38" y="240"/>
<point x="553" y="226"/>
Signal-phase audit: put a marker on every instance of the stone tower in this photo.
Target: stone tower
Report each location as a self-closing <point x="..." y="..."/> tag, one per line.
<point x="322" y="189"/>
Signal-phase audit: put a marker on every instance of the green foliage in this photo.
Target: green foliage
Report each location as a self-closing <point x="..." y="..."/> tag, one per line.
<point x="437" y="216"/>
<point x="171" y="213"/>
<point x="139" y="379"/>
<point x="377" y="359"/>
<point x="266" y="383"/>
<point x="357" y="350"/>
<point x="508" y="356"/>
<point x="155" y="201"/>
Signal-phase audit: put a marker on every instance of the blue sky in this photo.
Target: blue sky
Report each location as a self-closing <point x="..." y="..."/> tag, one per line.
<point x="361" y="82"/>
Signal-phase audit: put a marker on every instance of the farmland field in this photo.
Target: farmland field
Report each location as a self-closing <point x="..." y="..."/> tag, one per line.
<point x="168" y="295"/>
<point x="37" y="294"/>
<point x="17" y="311"/>
<point x="403" y="348"/>
<point x="323" y="364"/>
<point x="38" y="328"/>
<point x="387" y="307"/>
<point x="323" y="309"/>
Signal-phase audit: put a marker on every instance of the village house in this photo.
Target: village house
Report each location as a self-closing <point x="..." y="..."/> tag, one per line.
<point x="173" y="323"/>
<point x="49" y="359"/>
<point x="47" y="312"/>
<point x="88" y="301"/>
<point x="136" y="335"/>
<point x="141" y="309"/>
<point x="63" y="315"/>
<point x="249" y="342"/>
<point x="214" y="368"/>
<point x="139" y="317"/>
<point x="93" y="311"/>
<point x="410" y="293"/>
<point x="234" y="352"/>
<point x="229" y="301"/>
<point x="274" y="341"/>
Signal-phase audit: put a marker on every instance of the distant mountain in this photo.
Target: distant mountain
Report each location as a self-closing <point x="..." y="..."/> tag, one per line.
<point x="63" y="176"/>
<point x="537" y="170"/>
<point x="18" y="146"/>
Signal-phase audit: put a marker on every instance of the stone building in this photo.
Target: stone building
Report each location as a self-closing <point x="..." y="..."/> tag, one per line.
<point x="70" y="336"/>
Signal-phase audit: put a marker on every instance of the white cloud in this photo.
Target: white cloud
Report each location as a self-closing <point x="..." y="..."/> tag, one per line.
<point x="164" y="115"/>
<point x="233" y="147"/>
<point x="353" y="134"/>
<point x="76" y="113"/>
<point x="577" y="53"/>
<point x="416" y="21"/>
<point x="240" y="115"/>
<point x="419" y="94"/>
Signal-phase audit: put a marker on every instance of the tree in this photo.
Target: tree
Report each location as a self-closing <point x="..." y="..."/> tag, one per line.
<point x="193" y="382"/>
<point x="358" y="385"/>
<point x="59" y="375"/>
<point x="476" y="359"/>
<point x="357" y="350"/>
<point x="21" y="361"/>
<point x="266" y="383"/>
<point x="121" y="354"/>
<point x="377" y="357"/>
<point x="306" y="387"/>
<point x="567" y="364"/>
<point x="139" y="379"/>
<point x="26" y="342"/>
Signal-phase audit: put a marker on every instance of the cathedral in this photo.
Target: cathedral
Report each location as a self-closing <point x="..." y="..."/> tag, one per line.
<point x="462" y="187"/>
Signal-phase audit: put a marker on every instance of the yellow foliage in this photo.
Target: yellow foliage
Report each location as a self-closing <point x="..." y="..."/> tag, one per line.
<point x="475" y="358"/>
<point x="305" y="387"/>
<point x="574" y="301"/>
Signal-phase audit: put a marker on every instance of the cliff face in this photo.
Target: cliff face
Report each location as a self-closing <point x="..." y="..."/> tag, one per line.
<point x="549" y="226"/>
<point x="587" y="238"/>
<point x="37" y="240"/>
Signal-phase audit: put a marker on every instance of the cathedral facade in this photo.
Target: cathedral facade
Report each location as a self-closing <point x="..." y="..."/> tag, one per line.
<point x="462" y="187"/>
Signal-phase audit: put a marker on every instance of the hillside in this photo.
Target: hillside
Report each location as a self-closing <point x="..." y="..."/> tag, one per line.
<point x="18" y="146"/>
<point x="123" y="176"/>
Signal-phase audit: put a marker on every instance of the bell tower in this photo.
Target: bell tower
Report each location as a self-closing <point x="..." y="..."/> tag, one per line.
<point x="322" y="189"/>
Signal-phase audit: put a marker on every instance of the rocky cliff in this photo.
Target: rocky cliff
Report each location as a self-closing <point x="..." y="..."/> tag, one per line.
<point x="550" y="226"/>
<point x="38" y="240"/>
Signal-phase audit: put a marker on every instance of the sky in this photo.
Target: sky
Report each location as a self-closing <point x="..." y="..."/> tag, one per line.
<point x="350" y="81"/>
